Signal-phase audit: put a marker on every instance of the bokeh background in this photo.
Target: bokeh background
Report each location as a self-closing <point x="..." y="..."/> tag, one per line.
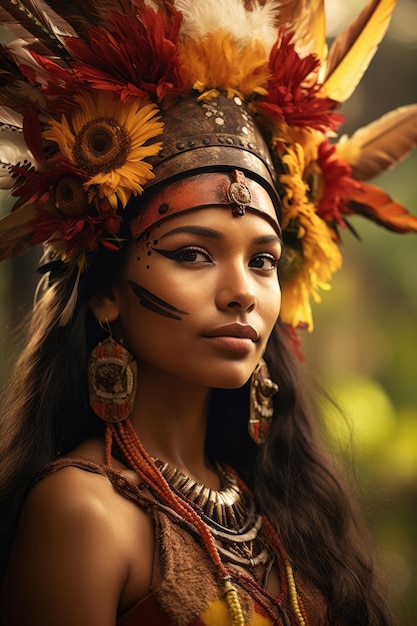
<point x="364" y="345"/>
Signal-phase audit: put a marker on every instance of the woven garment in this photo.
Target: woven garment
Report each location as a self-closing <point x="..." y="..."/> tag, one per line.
<point x="184" y="589"/>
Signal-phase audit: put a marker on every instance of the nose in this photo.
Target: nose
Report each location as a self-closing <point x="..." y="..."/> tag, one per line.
<point x="235" y="290"/>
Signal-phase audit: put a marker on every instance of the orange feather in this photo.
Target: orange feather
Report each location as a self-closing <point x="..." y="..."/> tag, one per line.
<point x="376" y="205"/>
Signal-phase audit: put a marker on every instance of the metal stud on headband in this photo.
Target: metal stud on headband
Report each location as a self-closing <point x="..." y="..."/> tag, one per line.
<point x="239" y="194"/>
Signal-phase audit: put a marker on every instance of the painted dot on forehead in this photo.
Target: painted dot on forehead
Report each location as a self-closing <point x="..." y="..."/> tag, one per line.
<point x="149" y="252"/>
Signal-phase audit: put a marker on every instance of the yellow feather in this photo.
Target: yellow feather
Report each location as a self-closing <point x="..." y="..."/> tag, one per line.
<point x="306" y="19"/>
<point x="353" y="50"/>
<point x="242" y="68"/>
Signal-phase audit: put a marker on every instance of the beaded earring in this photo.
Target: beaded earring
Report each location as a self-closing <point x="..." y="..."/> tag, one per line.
<point x="112" y="378"/>
<point x="262" y="389"/>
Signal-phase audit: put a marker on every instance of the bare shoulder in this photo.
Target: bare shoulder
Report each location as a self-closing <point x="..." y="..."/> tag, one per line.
<point x="72" y="556"/>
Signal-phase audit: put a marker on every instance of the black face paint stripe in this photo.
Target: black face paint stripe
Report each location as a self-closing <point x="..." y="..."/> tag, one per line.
<point x="153" y="303"/>
<point x="169" y="254"/>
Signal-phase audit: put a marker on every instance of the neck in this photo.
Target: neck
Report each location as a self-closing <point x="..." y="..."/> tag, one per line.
<point x="170" y="418"/>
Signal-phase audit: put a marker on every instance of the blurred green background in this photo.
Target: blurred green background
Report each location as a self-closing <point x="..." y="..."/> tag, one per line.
<point x="364" y="345"/>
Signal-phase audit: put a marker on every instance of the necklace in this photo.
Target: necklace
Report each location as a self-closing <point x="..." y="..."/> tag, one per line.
<point x="229" y="515"/>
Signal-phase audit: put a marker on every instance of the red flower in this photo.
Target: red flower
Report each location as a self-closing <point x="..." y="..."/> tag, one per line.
<point x="338" y="185"/>
<point x="35" y="186"/>
<point x="77" y="234"/>
<point x="58" y="83"/>
<point x="291" y="97"/>
<point x="130" y="57"/>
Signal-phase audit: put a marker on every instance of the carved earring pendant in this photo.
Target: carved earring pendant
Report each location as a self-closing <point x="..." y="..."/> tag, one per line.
<point x="112" y="379"/>
<point x="262" y="390"/>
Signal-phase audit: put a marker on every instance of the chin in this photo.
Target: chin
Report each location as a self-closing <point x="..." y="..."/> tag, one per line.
<point x="229" y="379"/>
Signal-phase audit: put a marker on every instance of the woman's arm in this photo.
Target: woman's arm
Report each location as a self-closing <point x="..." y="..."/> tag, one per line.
<point x="69" y="563"/>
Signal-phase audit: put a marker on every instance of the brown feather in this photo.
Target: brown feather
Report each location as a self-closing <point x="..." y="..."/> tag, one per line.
<point x="382" y="144"/>
<point x="353" y="50"/>
<point x="25" y="20"/>
<point x="82" y="14"/>
<point x="376" y="205"/>
<point x="15" y="232"/>
<point x="15" y="91"/>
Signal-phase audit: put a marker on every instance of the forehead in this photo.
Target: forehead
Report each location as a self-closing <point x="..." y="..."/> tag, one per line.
<point x="216" y="222"/>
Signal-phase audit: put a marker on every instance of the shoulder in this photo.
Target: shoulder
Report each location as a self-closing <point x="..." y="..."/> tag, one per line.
<point x="72" y="551"/>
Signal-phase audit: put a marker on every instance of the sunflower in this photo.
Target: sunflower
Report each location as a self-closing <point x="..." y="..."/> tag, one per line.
<point x="312" y="255"/>
<point x="109" y="140"/>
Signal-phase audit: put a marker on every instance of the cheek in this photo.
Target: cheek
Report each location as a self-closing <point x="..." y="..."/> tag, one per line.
<point x="272" y="305"/>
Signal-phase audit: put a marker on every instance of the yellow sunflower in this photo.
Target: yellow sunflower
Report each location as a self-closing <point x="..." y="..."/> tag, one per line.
<point x="109" y="140"/>
<point x="310" y="268"/>
<point x="315" y="257"/>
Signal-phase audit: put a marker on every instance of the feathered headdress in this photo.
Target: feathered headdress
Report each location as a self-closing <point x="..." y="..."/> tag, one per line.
<point x="87" y="91"/>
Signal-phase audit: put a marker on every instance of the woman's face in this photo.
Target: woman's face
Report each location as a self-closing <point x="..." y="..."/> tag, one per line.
<point x="199" y="298"/>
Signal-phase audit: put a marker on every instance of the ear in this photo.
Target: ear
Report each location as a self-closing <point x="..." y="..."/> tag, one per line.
<point x="105" y="306"/>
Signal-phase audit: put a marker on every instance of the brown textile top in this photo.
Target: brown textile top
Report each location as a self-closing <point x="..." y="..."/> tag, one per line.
<point x="185" y="590"/>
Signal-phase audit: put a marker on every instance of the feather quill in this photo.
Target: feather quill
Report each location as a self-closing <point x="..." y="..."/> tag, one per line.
<point x="382" y="144"/>
<point x="353" y="50"/>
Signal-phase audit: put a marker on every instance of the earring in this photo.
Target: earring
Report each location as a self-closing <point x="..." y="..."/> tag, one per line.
<point x="112" y="376"/>
<point x="262" y="389"/>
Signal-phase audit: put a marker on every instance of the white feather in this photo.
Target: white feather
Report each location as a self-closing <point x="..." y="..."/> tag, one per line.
<point x="8" y="116"/>
<point x="13" y="151"/>
<point x="69" y="308"/>
<point x="22" y="56"/>
<point x="152" y="4"/>
<point x="203" y="16"/>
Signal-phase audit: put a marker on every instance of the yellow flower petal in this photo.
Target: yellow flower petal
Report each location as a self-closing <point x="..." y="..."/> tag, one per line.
<point x="109" y="140"/>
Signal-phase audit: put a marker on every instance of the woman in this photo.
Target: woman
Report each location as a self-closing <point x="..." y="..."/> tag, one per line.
<point x="160" y="462"/>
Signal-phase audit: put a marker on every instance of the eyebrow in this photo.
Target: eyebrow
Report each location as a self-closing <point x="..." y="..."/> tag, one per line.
<point x="194" y="230"/>
<point x="267" y="239"/>
<point x="214" y="234"/>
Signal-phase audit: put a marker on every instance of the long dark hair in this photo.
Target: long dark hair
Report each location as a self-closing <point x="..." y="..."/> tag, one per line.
<point x="292" y="477"/>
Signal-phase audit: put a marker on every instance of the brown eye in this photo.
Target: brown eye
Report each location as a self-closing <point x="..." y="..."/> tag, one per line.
<point x="191" y="254"/>
<point x="264" y="262"/>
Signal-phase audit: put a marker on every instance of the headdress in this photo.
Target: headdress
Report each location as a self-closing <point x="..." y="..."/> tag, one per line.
<point x="103" y="100"/>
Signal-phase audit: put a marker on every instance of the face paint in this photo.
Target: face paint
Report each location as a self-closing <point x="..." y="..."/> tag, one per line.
<point x="218" y="275"/>
<point x="150" y="301"/>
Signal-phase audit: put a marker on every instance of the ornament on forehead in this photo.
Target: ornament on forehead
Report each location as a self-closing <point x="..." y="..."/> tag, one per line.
<point x="103" y="107"/>
<point x="239" y="194"/>
<point x="207" y="189"/>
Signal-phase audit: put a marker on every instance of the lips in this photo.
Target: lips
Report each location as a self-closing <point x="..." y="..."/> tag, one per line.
<point x="240" y="331"/>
